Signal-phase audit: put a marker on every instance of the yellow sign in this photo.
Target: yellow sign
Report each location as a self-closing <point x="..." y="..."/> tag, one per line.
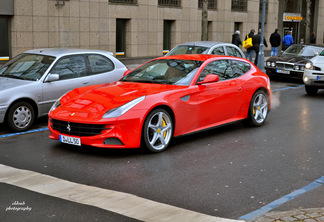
<point x="298" y="18"/>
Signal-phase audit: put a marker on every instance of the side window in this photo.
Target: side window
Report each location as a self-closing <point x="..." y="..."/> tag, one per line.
<point x="240" y="68"/>
<point x="100" y="64"/>
<point x="222" y="68"/>
<point x="218" y="51"/>
<point x="70" y="67"/>
<point x="233" y="52"/>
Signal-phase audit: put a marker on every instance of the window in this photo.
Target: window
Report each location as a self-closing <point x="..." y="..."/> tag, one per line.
<point x="70" y="67"/>
<point x="239" y="5"/>
<point x="4" y="38"/>
<point x="170" y="3"/>
<point x="212" y="4"/>
<point x="124" y="1"/>
<point x="222" y="68"/>
<point x="100" y="64"/>
<point x="219" y="51"/>
<point x="233" y="52"/>
<point x="167" y="33"/>
<point x="240" y="68"/>
<point x="121" y="25"/>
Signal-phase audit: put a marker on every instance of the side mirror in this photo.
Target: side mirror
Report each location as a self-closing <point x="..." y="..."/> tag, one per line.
<point x="209" y="79"/>
<point x="52" y="77"/>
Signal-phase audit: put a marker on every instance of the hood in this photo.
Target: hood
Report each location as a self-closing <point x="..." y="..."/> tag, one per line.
<point x="318" y="60"/>
<point x="290" y="59"/>
<point x="10" y="83"/>
<point x="97" y="101"/>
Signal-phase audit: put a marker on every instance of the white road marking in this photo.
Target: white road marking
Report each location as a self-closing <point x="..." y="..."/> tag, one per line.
<point x="121" y="203"/>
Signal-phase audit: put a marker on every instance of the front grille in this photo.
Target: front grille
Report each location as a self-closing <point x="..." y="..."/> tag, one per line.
<point x="283" y="65"/>
<point x="77" y="129"/>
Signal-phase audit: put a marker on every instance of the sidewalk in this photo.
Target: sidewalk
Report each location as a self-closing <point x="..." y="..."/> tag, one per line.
<point x="305" y="215"/>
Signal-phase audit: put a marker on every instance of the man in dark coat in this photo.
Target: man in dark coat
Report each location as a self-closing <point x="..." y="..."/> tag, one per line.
<point x="275" y="40"/>
<point x="249" y="51"/>
<point x="256" y="45"/>
<point x="236" y="40"/>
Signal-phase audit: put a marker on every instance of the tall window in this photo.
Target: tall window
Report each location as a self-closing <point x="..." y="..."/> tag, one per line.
<point x="124" y="1"/>
<point x="212" y="4"/>
<point x="4" y="38"/>
<point x="172" y="3"/>
<point x="167" y="33"/>
<point x="239" y="5"/>
<point x="121" y="25"/>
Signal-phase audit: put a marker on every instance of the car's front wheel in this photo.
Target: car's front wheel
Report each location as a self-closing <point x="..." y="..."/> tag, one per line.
<point x="258" y="110"/>
<point x="20" y="116"/>
<point x="157" y="130"/>
<point x="311" y="90"/>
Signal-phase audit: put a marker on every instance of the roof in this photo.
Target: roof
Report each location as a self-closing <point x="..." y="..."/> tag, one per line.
<point x="57" y="52"/>
<point x="205" y="43"/>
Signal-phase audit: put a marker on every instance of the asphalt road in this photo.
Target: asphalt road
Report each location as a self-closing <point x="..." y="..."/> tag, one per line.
<point x="225" y="172"/>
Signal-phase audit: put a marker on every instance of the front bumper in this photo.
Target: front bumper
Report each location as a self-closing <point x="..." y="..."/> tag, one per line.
<point x="286" y="73"/>
<point x="314" y="78"/>
<point x="117" y="134"/>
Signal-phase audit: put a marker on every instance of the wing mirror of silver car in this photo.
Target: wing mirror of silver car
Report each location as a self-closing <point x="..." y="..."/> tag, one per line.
<point x="52" y="77"/>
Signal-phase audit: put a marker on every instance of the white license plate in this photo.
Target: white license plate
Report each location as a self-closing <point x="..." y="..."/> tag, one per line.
<point x="283" y="71"/>
<point x="70" y="140"/>
<point x="320" y="77"/>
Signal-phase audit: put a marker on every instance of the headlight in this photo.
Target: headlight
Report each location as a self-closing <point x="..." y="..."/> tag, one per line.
<point x="122" y="109"/>
<point x="309" y="65"/>
<point x="273" y="64"/>
<point x="296" y="67"/>
<point x="56" y="104"/>
<point x="268" y="63"/>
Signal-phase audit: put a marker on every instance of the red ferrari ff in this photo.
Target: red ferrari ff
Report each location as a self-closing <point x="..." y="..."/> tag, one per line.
<point x="163" y="98"/>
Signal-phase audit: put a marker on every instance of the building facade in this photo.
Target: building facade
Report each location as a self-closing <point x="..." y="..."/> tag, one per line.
<point x="144" y="28"/>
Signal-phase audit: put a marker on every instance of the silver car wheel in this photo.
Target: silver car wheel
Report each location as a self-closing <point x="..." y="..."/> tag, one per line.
<point x="260" y="108"/>
<point x="158" y="130"/>
<point x="22" y="117"/>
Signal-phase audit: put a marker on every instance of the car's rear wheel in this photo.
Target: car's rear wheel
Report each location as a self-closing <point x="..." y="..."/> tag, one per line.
<point x="311" y="90"/>
<point x="20" y="116"/>
<point x="258" y="110"/>
<point x="157" y="130"/>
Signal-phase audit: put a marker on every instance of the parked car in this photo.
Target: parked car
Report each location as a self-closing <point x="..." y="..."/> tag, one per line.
<point x="164" y="98"/>
<point x="314" y="74"/>
<point x="207" y="47"/>
<point x="31" y="82"/>
<point x="291" y="63"/>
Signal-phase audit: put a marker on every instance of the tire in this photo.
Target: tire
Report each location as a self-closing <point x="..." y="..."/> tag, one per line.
<point x="157" y="130"/>
<point x="311" y="90"/>
<point x="20" y="116"/>
<point x="258" y="110"/>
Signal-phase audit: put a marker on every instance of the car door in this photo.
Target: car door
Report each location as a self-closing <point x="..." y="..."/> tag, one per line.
<point x="219" y="101"/>
<point x="72" y="71"/>
<point x="103" y="70"/>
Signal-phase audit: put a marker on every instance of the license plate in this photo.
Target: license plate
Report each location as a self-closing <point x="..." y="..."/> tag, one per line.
<point x="70" y="140"/>
<point x="320" y="77"/>
<point x="283" y="71"/>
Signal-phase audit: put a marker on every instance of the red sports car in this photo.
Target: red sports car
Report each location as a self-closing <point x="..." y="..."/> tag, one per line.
<point x="163" y="98"/>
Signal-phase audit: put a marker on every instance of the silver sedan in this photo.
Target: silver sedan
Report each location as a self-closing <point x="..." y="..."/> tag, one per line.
<point x="207" y="47"/>
<point x="31" y="82"/>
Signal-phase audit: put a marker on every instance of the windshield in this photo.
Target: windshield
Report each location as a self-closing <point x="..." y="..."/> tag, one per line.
<point x="187" y="49"/>
<point x="166" y="71"/>
<point x="27" y="67"/>
<point x="303" y="50"/>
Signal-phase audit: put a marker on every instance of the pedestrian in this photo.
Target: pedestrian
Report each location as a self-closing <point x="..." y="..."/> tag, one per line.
<point x="287" y="41"/>
<point x="256" y="45"/>
<point x="313" y="38"/>
<point x="236" y="40"/>
<point x="249" y="51"/>
<point x="275" y="41"/>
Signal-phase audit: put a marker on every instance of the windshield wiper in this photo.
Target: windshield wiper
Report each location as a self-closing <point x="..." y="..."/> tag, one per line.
<point x="15" y="77"/>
